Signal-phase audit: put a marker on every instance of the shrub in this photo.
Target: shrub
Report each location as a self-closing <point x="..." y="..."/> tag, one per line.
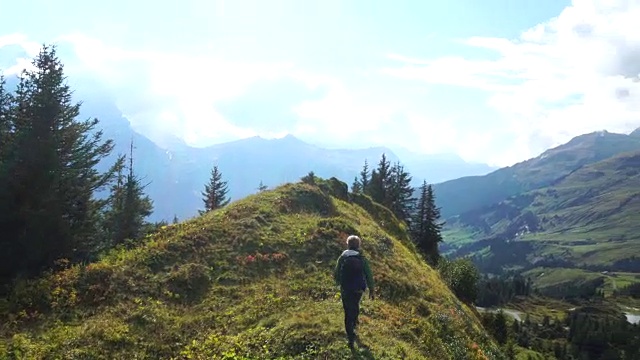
<point x="462" y="276"/>
<point x="190" y="281"/>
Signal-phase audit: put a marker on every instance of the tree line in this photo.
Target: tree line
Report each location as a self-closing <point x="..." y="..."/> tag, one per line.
<point x="387" y="184"/>
<point x="390" y="185"/>
<point x="585" y="333"/>
<point x="50" y="211"/>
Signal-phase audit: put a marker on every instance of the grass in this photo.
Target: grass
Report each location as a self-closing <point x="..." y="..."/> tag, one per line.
<point x="250" y="281"/>
<point x="539" y="307"/>
<point x="545" y="277"/>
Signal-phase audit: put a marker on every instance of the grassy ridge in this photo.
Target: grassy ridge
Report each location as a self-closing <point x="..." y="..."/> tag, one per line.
<point x="251" y="281"/>
<point x="588" y="218"/>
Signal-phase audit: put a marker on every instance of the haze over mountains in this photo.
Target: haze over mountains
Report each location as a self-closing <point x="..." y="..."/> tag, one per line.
<point x="177" y="172"/>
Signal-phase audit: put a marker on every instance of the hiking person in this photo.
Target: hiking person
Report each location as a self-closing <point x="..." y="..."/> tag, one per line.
<point x="353" y="274"/>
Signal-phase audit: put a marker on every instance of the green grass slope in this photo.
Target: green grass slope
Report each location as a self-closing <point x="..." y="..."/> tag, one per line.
<point x="588" y="219"/>
<point x="250" y="281"/>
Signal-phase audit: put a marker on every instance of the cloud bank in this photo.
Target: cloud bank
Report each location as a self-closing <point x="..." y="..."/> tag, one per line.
<point x="503" y="101"/>
<point x="574" y="74"/>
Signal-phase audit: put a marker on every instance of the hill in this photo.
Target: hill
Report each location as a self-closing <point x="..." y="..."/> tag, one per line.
<point x="251" y="280"/>
<point x="586" y="219"/>
<point x="471" y="193"/>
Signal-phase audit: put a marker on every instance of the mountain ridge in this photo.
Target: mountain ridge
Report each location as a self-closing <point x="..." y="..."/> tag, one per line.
<point x="465" y="194"/>
<point x="584" y="220"/>
<point x="182" y="170"/>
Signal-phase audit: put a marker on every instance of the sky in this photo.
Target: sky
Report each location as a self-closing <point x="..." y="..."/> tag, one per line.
<point x="494" y="81"/>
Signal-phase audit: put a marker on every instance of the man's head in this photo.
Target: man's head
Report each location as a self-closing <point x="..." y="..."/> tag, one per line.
<point x="353" y="242"/>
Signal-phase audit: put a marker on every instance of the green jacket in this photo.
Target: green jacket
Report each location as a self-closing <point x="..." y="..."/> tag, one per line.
<point x="368" y="276"/>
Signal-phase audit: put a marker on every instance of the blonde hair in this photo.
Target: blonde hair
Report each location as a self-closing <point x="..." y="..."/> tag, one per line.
<point x="353" y="242"/>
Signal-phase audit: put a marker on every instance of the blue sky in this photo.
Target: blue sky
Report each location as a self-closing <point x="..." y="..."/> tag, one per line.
<point x="489" y="80"/>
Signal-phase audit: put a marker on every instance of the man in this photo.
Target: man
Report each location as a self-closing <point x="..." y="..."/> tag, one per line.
<point x="353" y="274"/>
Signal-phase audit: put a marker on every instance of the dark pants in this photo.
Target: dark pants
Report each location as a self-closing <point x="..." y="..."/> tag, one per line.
<point x="351" y="305"/>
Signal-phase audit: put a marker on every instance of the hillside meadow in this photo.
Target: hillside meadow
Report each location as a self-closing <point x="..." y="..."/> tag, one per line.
<point x="250" y="281"/>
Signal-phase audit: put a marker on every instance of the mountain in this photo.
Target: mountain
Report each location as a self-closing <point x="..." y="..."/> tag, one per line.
<point x="473" y="192"/>
<point x="176" y="175"/>
<point x="568" y="215"/>
<point x="253" y="279"/>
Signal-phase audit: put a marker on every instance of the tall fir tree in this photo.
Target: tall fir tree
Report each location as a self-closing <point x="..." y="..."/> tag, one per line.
<point x="356" y="187"/>
<point x="364" y="176"/>
<point x="378" y="187"/>
<point x="262" y="187"/>
<point x="215" y="192"/>
<point x="6" y="131"/>
<point x="426" y="226"/>
<point x="129" y="207"/>
<point x="48" y="174"/>
<point x="400" y="193"/>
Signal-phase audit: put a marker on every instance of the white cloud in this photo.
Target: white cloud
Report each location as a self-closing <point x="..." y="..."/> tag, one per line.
<point x="26" y="47"/>
<point x="341" y="114"/>
<point x="165" y="93"/>
<point x="574" y="74"/>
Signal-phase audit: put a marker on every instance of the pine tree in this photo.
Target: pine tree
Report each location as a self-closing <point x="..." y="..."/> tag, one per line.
<point x="378" y="187"/>
<point x="215" y="192"/>
<point x="400" y="193"/>
<point x="364" y="176"/>
<point x="6" y="105"/>
<point x="262" y="187"/>
<point x="175" y="219"/>
<point x="426" y="225"/>
<point x="129" y="207"/>
<point x="48" y="177"/>
<point x="356" y="187"/>
<point x="310" y="178"/>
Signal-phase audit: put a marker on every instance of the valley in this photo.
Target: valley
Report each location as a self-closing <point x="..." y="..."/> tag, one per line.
<point x="578" y="225"/>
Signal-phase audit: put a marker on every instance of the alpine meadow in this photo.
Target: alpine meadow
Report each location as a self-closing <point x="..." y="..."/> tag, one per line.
<point x="320" y="180"/>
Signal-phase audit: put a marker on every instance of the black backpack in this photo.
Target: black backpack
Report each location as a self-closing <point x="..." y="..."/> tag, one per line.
<point x="353" y="272"/>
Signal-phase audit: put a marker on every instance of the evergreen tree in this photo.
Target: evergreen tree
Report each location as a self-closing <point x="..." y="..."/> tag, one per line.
<point x="356" y="187"/>
<point x="215" y="192"/>
<point x="364" y="177"/>
<point x="378" y="188"/>
<point x="6" y="105"/>
<point x="175" y="219"/>
<point x="47" y="176"/>
<point x="500" y="329"/>
<point x="426" y="226"/>
<point x="310" y="178"/>
<point x="262" y="187"/>
<point x="401" y="193"/>
<point x="129" y="207"/>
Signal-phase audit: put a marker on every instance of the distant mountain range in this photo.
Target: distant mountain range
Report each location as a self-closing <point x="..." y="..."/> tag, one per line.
<point x="176" y="175"/>
<point x="464" y="194"/>
<point x="574" y="206"/>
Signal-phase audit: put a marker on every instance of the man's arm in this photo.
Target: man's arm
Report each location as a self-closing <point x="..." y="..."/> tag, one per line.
<point x="336" y="271"/>
<point x="368" y="276"/>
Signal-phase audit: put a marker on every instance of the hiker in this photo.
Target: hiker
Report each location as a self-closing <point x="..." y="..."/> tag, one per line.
<point x="353" y="274"/>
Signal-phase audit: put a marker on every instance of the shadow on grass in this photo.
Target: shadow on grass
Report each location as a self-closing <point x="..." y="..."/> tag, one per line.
<point x="361" y="351"/>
